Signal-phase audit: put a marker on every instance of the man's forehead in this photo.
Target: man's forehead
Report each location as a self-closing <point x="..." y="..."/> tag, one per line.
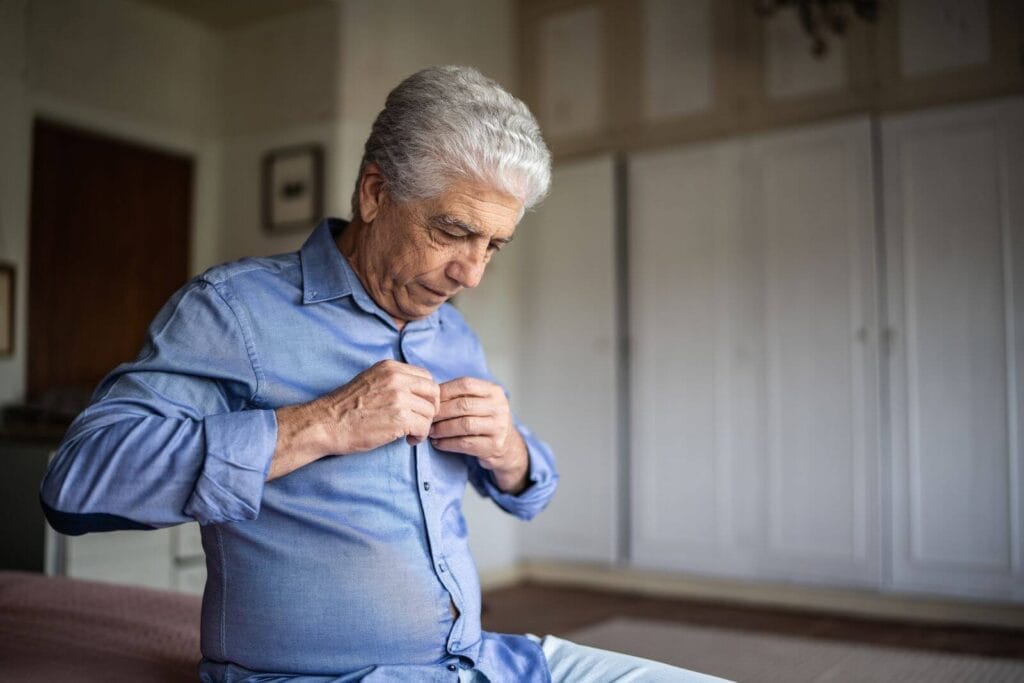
<point x="476" y="209"/>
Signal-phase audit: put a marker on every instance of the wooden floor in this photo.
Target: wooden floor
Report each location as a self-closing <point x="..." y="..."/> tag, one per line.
<point x="539" y="609"/>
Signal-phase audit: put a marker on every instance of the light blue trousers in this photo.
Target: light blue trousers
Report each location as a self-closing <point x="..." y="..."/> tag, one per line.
<point x="572" y="663"/>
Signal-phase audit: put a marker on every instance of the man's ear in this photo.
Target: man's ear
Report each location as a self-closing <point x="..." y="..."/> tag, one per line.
<point x="371" y="193"/>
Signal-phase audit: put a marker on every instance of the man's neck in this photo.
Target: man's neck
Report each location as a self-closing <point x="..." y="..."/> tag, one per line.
<point x="349" y="242"/>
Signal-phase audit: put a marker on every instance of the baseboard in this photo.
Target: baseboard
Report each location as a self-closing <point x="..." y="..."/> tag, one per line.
<point x="862" y="603"/>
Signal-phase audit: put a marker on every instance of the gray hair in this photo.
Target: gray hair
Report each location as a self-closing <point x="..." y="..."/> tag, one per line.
<point x="446" y="123"/>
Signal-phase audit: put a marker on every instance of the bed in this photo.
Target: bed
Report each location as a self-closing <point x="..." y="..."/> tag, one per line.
<point x="59" y="629"/>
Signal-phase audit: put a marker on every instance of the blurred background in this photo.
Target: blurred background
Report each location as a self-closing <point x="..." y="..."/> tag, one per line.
<point x="771" y="317"/>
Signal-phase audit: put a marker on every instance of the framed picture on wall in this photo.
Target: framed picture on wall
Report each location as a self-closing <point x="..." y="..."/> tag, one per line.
<point x="292" y="187"/>
<point x="6" y="309"/>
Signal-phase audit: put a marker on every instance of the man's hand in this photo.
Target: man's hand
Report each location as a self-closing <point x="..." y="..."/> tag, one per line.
<point x="387" y="401"/>
<point x="474" y="418"/>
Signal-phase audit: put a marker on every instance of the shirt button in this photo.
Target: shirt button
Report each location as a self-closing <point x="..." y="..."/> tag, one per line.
<point x="452" y="667"/>
<point x="426" y="486"/>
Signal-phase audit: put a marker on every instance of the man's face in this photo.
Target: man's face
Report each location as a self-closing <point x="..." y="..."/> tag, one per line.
<point x="420" y="253"/>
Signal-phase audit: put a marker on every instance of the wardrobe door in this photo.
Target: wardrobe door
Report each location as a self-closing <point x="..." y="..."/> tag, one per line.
<point x="569" y="394"/>
<point x="692" y="368"/>
<point x="754" y="366"/>
<point x="954" y="217"/>
<point x="810" y="209"/>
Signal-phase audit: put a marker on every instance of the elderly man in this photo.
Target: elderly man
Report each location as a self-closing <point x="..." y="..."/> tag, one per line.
<point x="319" y="413"/>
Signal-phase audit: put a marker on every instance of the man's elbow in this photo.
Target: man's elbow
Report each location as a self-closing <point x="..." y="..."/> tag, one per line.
<point x="64" y="506"/>
<point x="78" y="523"/>
<point x="539" y="495"/>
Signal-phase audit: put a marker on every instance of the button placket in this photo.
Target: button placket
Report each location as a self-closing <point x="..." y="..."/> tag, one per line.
<point x="428" y="503"/>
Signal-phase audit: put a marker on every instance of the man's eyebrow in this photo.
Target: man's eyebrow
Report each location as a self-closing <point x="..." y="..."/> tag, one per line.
<point x="446" y="220"/>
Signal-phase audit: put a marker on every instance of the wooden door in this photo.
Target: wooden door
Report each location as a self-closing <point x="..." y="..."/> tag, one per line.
<point x="109" y="244"/>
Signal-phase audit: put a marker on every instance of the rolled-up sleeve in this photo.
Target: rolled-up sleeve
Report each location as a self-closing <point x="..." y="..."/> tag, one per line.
<point x="239" y="447"/>
<point x="542" y="480"/>
<point x="174" y="436"/>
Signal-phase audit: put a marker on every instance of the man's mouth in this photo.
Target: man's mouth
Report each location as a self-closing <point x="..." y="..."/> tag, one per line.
<point x="435" y="292"/>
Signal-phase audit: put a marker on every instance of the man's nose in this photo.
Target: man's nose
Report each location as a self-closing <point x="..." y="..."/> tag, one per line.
<point x="468" y="268"/>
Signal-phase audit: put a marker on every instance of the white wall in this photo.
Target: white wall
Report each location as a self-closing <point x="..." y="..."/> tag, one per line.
<point x="280" y="89"/>
<point x="125" y="57"/>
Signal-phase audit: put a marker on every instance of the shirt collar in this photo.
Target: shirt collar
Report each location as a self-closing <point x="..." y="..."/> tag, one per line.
<point x="327" y="274"/>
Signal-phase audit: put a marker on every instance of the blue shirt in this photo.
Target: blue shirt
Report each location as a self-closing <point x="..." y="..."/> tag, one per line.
<point x="343" y="569"/>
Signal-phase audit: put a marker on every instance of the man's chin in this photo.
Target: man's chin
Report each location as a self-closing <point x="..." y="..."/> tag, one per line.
<point x="415" y="310"/>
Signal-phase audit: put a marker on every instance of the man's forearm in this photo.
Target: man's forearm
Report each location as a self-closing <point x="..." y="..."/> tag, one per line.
<point x="515" y="479"/>
<point x="300" y="438"/>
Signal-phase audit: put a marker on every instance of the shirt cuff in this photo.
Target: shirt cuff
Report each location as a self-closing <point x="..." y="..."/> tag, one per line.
<point x="542" y="481"/>
<point x="239" y="448"/>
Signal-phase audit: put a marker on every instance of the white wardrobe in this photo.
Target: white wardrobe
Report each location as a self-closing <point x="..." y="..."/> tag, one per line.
<point x="824" y="356"/>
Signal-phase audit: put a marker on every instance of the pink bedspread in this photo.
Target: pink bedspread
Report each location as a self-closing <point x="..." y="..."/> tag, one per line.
<point x="55" y="629"/>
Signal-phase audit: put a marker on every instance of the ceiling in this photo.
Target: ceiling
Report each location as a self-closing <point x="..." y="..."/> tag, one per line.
<point x="223" y="14"/>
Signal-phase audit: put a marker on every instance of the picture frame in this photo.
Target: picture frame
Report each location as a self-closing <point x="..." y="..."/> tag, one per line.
<point x="292" y="191"/>
<point x="7" y="301"/>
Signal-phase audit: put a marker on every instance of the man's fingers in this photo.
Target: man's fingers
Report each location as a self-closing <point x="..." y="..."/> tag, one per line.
<point x="470" y="445"/>
<point x="405" y="368"/>
<point x="426" y="389"/>
<point x="465" y="405"/>
<point x="467" y="386"/>
<point x="420" y="407"/>
<point x="419" y="430"/>
<point x="404" y="374"/>
<point x="470" y="425"/>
